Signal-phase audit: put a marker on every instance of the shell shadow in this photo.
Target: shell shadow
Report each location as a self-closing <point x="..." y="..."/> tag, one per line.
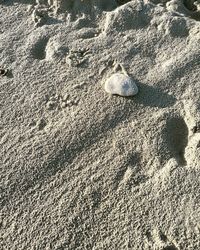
<point x="152" y="97"/>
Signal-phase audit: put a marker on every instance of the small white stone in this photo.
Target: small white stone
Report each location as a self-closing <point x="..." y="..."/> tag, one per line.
<point x="120" y="84"/>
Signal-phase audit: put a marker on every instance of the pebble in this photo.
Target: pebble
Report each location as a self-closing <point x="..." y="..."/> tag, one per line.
<point x="120" y="84"/>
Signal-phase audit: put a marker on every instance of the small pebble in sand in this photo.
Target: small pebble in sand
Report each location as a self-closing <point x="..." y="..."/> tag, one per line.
<point x="120" y="84"/>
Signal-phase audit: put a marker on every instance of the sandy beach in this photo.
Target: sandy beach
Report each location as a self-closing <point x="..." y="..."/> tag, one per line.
<point x="82" y="168"/>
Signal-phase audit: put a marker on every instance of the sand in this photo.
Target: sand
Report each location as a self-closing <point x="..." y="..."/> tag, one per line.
<point x="82" y="169"/>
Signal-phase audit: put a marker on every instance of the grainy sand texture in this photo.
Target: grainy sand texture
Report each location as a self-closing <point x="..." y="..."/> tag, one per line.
<point x="81" y="169"/>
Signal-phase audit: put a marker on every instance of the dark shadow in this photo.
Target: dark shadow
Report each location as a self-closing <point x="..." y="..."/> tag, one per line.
<point x="38" y="50"/>
<point x="96" y="199"/>
<point x="196" y="128"/>
<point x="189" y="8"/>
<point x="52" y="20"/>
<point x="152" y="97"/>
<point x="171" y="247"/>
<point x="70" y="5"/>
<point x="88" y="8"/>
<point x="168" y="245"/>
<point x="121" y="2"/>
<point x="11" y="2"/>
<point x="6" y="73"/>
<point x="176" y="136"/>
<point x="163" y="237"/>
<point x="9" y="74"/>
<point x="133" y="159"/>
<point x="193" y="10"/>
<point x="189" y="4"/>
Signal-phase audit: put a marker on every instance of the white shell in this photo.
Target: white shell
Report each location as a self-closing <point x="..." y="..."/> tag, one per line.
<point x="120" y="84"/>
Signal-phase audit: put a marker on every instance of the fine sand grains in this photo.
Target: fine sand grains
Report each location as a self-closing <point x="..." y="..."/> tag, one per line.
<point x="82" y="169"/>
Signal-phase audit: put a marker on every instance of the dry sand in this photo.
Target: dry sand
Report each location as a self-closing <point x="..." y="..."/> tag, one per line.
<point x="81" y="169"/>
